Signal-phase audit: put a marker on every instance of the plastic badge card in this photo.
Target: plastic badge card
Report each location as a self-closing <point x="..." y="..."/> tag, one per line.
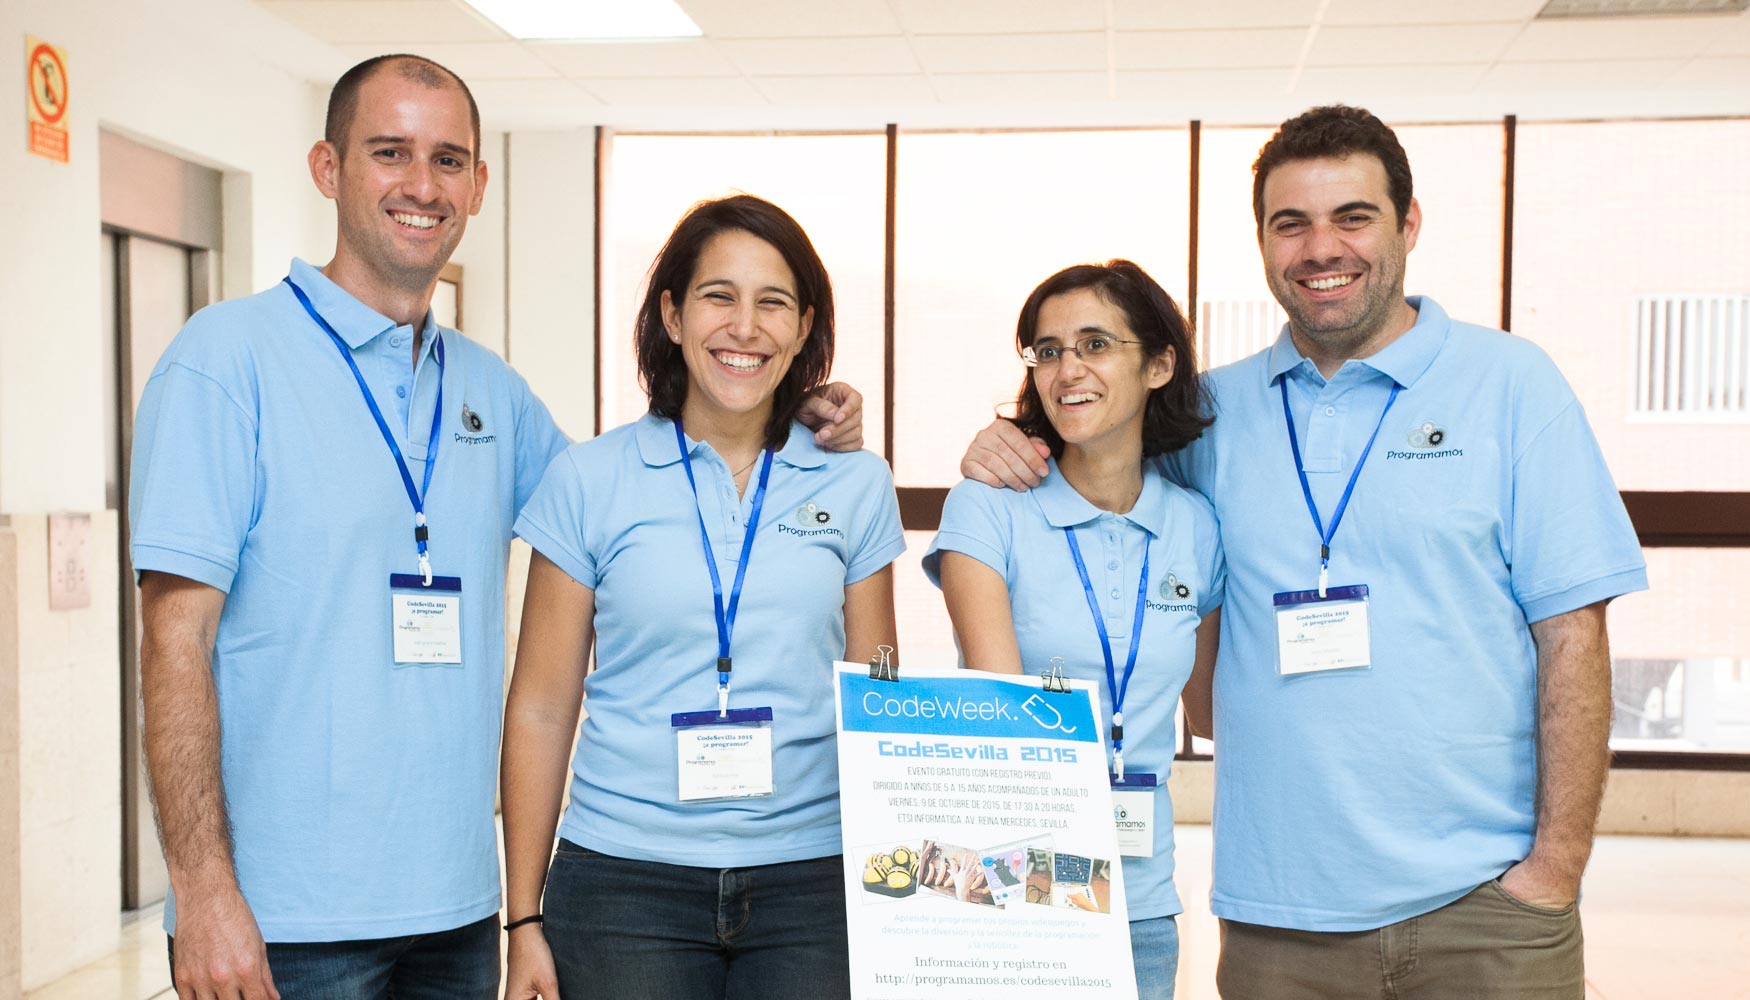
<point x="724" y="756"/>
<point x="427" y="621"/>
<point x="1316" y="633"/>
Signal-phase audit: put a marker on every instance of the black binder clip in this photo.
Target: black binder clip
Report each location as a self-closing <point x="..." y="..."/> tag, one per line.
<point x="881" y="665"/>
<point x="1054" y="679"/>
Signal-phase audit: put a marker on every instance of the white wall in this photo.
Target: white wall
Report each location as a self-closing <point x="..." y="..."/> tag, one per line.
<point x="481" y="254"/>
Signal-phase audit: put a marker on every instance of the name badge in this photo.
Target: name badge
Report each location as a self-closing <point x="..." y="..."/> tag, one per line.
<point x="426" y="621"/>
<point x="723" y="756"/>
<point x="1133" y="811"/>
<point x="1316" y="633"/>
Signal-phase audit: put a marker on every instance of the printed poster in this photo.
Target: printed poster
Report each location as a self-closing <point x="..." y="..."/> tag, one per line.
<point x="981" y="859"/>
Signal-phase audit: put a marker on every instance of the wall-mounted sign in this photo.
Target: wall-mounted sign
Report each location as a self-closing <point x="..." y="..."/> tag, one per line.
<point x="46" y="98"/>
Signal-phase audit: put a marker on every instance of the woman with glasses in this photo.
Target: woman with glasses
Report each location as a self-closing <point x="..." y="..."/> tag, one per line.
<point x="718" y="560"/>
<point x="1107" y="566"/>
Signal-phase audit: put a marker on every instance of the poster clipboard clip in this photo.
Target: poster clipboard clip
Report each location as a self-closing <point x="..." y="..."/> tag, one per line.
<point x="1053" y="678"/>
<point x="881" y="665"/>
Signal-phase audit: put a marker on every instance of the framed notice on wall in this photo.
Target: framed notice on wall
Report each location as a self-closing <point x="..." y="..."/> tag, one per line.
<point x="981" y="859"/>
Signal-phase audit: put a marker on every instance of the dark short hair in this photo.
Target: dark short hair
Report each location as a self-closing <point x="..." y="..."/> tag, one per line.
<point x="1335" y="130"/>
<point x="661" y="367"/>
<point x="343" y="100"/>
<point x="1174" y="415"/>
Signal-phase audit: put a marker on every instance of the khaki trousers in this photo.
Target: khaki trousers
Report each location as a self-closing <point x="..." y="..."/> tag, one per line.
<point x="1486" y="945"/>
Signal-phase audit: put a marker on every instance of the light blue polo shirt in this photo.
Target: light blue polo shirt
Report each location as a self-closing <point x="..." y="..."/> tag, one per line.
<point x="1021" y="536"/>
<point x="617" y="515"/>
<point x="1353" y="799"/>
<point x="360" y="791"/>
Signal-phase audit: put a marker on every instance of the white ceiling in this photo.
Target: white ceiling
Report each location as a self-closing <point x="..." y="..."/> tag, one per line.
<point x="861" y="63"/>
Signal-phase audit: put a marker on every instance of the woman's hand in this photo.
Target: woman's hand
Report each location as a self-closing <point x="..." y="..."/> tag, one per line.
<point x="530" y="963"/>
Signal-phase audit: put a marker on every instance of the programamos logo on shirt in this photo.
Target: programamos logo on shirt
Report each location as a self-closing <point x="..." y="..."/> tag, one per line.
<point x="1175" y="595"/>
<point x="814" y="520"/>
<point x="475" y="425"/>
<point x="1426" y="438"/>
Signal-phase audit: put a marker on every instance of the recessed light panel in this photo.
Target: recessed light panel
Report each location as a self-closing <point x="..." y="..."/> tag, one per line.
<point x="1561" y="9"/>
<point x="589" y="19"/>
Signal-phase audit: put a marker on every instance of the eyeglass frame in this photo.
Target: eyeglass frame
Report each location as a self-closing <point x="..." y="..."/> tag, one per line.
<point x="1030" y="355"/>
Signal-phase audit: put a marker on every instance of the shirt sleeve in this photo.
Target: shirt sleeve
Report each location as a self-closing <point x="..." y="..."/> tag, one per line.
<point x="877" y="537"/>
<point x="552" y="521"/>
<point x="1211" y="557"/>
<point x="194" y="479"/>
<point x="1571" y="542"/>
<point x="974" y="523"/>
<point x="538" y="439"/>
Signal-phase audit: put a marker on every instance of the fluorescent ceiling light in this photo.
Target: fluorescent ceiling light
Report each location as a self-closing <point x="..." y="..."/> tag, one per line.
<point x="589" y="19"/>
<point x="1560" y="9"/>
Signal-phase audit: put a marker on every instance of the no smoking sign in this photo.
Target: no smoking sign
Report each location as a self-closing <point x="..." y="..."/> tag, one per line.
<point x="46" y="98"/>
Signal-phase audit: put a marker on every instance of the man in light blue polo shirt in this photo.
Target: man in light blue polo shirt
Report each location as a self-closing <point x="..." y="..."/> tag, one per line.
<point x="1413" y="696"/>
<point x="323" y="487"/>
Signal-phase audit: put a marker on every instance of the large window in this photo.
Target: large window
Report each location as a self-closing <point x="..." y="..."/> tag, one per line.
<point x="831" y="184"/>
<point x="982" y="219"/>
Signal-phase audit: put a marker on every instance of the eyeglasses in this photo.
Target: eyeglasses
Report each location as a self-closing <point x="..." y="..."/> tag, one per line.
<point x="1087" y="349"/>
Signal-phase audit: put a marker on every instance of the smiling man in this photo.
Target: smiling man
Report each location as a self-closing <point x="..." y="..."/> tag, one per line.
<point x="1412" y="700"/>
<point x="324" y="483"/>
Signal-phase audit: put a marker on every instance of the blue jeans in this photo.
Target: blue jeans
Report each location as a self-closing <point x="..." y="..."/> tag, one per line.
<point x="1154" y="947"/>
<point x="461" y="964"/>
<point x="643" y="929"/>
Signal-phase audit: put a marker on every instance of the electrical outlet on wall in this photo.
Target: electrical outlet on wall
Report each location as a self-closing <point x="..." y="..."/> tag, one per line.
<point x="69" y="561"/>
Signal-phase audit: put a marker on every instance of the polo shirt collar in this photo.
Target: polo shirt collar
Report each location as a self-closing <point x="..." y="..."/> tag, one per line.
<point x="1403" y="360"/>
<point x="356" y="322"/>
<point x="1063" y="507"/>
<point x="655" y="437"/>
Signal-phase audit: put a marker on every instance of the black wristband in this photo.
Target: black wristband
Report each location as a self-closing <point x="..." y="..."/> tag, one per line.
<point x="533" y="919"/>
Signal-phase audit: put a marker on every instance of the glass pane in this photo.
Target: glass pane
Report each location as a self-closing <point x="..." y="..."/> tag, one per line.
<point x="834" y="185"/>
<point x="1457" y="260"/>
<point x="1681" y="654"/>
<point x="982" y="219"/>
<point x="1631" y="267"/>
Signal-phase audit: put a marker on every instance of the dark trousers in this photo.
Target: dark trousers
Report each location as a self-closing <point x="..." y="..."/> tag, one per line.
<point x="460" y="964"/>
<point x="643" y="930"/>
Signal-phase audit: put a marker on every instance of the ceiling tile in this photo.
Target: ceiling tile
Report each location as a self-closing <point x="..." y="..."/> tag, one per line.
<point x="1363" y="84"/>
<point x="1009" y="88"/>
<point x="1191" y="49"/>
<point x="1389" y="12"/>
<point x="848" y="90"/>
<point x="987" y="17"/>
<point x="1204" y="85"/>
<point x="471" y="61"/>
<point x="1444" y="43"/>
<point x="1153" y="14"/>
<point x="821" y="56"/>
<point x="677" y="90"/>
<point x="1731" y="76"/>
<point x="1569" y="77"/>
<point x="392" y="22"/>
<point x="1012" y="53"/>
<point x="1731" y="38"/>
<point x="685" y="57"/>
<point x="507" y="104"/>
<point x="791" y="18"/>
<point x="1641" y="38"/>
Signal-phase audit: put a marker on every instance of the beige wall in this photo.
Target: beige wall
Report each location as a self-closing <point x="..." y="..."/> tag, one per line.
<point x="11" y="943"/>
<point x="69" y="696"/>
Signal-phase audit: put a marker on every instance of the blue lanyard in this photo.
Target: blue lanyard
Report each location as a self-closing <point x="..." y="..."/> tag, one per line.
<point x="1348" y="491"/>
<point x="725" y="618"/>
<point x="1114" y="685"/>
<point x="416" y="496"/>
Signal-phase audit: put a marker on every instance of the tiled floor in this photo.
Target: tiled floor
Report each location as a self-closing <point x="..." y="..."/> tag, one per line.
<point x="1666" y="919"/>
